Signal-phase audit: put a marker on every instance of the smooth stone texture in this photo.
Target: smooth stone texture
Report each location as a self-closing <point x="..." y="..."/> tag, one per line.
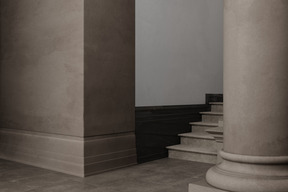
<point x="202" y="126"/>
<point x="55" y="152"/>
<point x="190" y="153"/>
<point x="212" y="118"/>
<point x="255" y="153"/>
<point x="166" y="175"/>
<point x="67" y="84"/>
<point x="198" y="145"/>
<point x="255" y="78"/>
<point x="109" y="84"/>
<point x="201" y="129"/>
<point x="198" y="141"/>
<point x="68" y="154"/>
<point x="42" y="83"/>
<point x="109" y="67"/>
<point x="217" y="107"/>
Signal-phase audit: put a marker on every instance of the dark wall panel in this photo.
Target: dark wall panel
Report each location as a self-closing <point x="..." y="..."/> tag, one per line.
<point x="158" y="127"/>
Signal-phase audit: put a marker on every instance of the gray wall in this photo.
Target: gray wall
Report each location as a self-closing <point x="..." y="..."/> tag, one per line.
<point x="178" y="51"/>
<point x="42" y="66"/>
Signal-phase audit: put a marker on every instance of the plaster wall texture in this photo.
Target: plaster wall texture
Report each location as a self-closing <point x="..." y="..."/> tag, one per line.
<point x="67" y="72"/>
<point x="179" y="51"/>
<point x="42" y="66"/>
<point x="109" y="67"/>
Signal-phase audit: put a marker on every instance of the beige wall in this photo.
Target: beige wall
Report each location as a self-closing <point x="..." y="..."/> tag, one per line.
<point x="42" y="65"/>
<point x="109" y="66"/>
<point x="59" y="83"/>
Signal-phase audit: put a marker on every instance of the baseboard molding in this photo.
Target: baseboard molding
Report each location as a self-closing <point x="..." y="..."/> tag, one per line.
<point x="72" y="155"/>
<point x="54" y="152"/>
<point x="109" y="152"/>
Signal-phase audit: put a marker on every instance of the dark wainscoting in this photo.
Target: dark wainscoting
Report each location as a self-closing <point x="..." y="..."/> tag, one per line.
<point x="158" y="127"/>
<point x="214" y="98"/>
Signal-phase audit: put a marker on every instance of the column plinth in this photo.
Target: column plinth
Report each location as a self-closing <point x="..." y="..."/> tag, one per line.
<point x="255" y="152"/>
<point x="250" y="173"/>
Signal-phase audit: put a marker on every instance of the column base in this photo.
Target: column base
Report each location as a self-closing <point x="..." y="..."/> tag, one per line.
<point x="240" y="173"/>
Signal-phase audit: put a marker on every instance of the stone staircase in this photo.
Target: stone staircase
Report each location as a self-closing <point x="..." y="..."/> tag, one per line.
<point x="202" y="143"/>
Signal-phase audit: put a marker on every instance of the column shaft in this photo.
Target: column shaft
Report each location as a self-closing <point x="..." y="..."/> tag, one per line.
<point x="255" y="93"/>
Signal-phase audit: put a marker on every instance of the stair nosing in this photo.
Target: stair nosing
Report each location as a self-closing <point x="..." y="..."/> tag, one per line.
<point x="201" y="123"/>
<point x="197" y="136"/>
<point x="214" y="131"/>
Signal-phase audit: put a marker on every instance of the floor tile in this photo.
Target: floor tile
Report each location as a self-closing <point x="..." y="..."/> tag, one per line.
<point x="165" y="175"/>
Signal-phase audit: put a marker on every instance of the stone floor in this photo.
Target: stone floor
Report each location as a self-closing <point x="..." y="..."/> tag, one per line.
<point x="165" y="175"/>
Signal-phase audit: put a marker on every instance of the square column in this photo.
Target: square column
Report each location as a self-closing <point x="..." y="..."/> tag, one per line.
<point x="67" y="84"/>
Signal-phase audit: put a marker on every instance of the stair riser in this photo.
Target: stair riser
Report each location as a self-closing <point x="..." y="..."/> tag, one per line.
<point x="217" y="108"/>
<point x="212" y="118"/>
<point x="198" y="142"/>
<point x="196" y="128"/>
<point x="189" y="156"/>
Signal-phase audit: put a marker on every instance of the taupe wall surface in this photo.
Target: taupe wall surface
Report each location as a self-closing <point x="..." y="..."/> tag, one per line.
<point x="109" y="66"/>
<point x="179" y="51"/>
<point x="60" y="84"/>
<point x="42" y="65"/>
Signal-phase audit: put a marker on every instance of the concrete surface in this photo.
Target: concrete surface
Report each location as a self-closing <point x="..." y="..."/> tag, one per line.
<point x="165" y="175"/>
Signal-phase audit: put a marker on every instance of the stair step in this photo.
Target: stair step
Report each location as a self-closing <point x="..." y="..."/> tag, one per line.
<point x="199" y="140"/>
<point x="215" y="131"/>
<point x="204" y="124"/>
<point x="219" y="139"/>
<point x="189" y="148"/>
<point x="197" y="135"/>
<point x="212" y="117"/>
<point x="186" y="152"/>
<point x="216" y="107"/>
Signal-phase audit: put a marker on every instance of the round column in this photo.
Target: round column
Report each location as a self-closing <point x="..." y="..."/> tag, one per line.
<point x="255" y="152"/>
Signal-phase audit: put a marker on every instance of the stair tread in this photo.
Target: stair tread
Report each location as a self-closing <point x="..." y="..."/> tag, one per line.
<point x="204" y="124"/>
<point x="214" y="130"/>
<point x="189" y="148"/>
<point x="200" y="135"/>
<point x="216" y="103"/>
<point x="211" y="113"/>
